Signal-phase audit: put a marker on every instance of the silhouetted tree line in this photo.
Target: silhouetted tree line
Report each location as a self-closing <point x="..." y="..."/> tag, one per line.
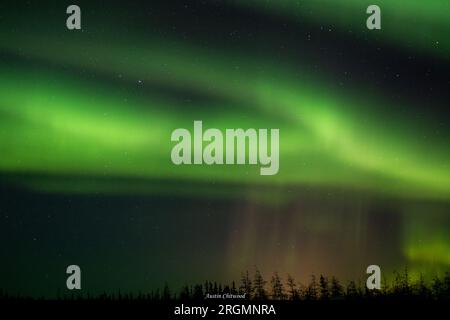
<point x="255" y="287"/>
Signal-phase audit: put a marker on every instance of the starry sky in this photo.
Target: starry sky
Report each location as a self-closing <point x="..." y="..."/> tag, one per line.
<point x="86" y="118"/>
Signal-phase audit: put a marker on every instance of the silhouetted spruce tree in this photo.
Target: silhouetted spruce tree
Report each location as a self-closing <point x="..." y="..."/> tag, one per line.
<point x="184" y="293"/>
<point x="166" y="294"/>
<point x="401" y="285"/>
<point x="438" y="288"/>
<point x="233" y="288"/>
<point x="210" y="288"/>
<point x="311" y="289"/>
<point x="323" y="286"/>
<point x="336" y="290"/>
<point x="246" y="285"/>
<point x="292" y="287"/>
<point x="198" y="292"/>
<point x="446" y="286"/>
<point x="360" y="289"/>
<point x="385" y="288"/>
<point x="421" y="289"/>
<point x="277" y="287"/>
<point x="352" y="291"/>
<point x="302" y="290"/>
<point x="406" y="282"/>
<point x="259" y="286"/>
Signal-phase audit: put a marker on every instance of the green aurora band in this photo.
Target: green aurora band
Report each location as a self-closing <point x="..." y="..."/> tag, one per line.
<point x="326" y="139"/>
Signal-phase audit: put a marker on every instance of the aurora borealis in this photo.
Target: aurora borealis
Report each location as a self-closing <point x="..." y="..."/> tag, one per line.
<point x="86" y="118"/>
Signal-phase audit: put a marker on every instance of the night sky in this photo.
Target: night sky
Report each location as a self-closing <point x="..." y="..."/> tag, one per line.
<point x="86" y="118"/>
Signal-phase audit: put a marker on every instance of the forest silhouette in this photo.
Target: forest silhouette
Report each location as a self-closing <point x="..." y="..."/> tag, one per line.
<point x="256" y="288"/>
